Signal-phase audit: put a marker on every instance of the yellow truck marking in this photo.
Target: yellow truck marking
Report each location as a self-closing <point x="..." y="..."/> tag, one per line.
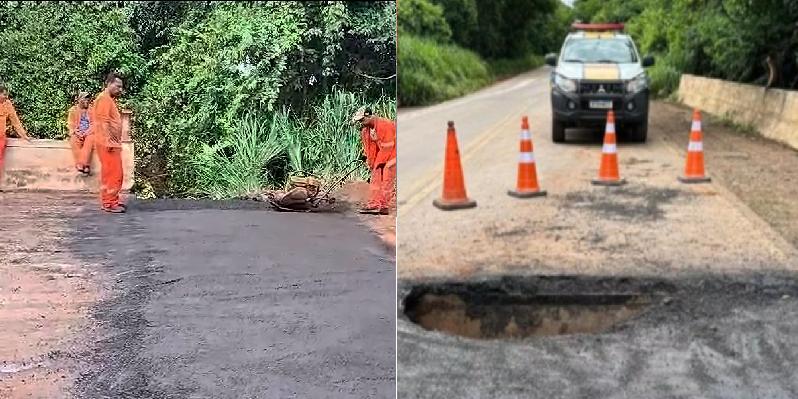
<point x="601" y="72"/>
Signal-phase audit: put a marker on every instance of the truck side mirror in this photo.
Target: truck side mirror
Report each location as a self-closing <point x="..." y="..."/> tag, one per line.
<point x="551" y="59"/>
<point x="648" y="61"/>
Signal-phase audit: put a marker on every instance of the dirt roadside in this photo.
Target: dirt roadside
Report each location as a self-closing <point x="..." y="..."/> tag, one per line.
<point x="45" y="294"/>
<point x="759" y="171"/>
<point x="356" y="194"/>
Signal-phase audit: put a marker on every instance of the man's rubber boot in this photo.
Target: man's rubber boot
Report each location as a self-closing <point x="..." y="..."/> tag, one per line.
<point x="369" y="211"/>
<point x="385" y="211"/>
<point x="115" y="209"/>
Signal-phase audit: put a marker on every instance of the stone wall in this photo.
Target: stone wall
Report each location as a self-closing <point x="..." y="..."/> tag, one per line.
<point x="772" y="112"/>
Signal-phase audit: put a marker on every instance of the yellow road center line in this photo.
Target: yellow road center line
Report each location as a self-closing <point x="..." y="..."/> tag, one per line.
<point x="431" y="180"/>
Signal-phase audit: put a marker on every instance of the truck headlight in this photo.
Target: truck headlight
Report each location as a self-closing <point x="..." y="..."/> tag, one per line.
<point x="565" y="84"/>
<point x="639" y="83"/>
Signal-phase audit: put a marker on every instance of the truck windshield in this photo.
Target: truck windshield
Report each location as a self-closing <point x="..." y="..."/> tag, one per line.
<point x="610" y="51"/>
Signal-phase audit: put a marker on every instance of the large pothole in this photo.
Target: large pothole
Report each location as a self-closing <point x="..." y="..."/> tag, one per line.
<point x="486" y="312"/>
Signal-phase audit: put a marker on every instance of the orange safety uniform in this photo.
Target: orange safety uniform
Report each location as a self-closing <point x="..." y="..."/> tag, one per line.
<point x="383" y="173"/>
<point x="369" y="146"/>
<point x="7" y="112"/>
<point x="107" y="130"/>
<point x="81" y="144"/>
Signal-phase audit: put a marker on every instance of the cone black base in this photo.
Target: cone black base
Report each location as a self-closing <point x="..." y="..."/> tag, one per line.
<point x="452" y="205"/>
<point x="694" y="180"/>
<point x="526" y="194"/>
<point x="599" y="182"/>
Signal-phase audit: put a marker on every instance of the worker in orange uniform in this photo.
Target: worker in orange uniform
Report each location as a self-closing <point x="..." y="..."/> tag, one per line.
<point x="382" y="132"/>
<point x="106" y="128"/>
<point x="369" y="144"/>
<point x="78" y="123"/>
<point x="8" y="113"/>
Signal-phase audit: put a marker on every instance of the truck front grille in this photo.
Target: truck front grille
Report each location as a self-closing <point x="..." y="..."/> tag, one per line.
<point x="596" y="88"/>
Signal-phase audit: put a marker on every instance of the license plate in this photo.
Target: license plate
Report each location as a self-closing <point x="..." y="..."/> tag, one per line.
<point x="600" y="104"/>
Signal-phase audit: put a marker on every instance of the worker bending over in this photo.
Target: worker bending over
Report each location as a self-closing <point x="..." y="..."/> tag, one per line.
<point x="78" y="123"/>
<point x="8" y="113"/>
<point x="106" y="127"/>
<point x="382" y="133"/>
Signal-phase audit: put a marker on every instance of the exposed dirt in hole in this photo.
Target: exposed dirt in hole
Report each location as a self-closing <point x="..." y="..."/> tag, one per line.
<point x="470" y="312"/>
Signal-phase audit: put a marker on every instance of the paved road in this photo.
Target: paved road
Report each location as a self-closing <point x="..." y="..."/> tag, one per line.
<point x="653" y="228"/>
<point x="654" y="222"/>
<point x="204" y="300"/>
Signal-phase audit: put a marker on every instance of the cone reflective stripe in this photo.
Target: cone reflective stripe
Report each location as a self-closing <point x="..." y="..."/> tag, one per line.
<point x="454" y="193"/>
<point x="527" y="184"/>
<point x="694" y="166"/>
<point x="608" y="171"/>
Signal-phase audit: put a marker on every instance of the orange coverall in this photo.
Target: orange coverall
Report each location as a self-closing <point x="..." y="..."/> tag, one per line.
<point x="7" y="112"/>
<point x="369" y="147"/>
<point x="107" y="130"/>
<point x="383" y="172"/>
<point x="81" y="145"/>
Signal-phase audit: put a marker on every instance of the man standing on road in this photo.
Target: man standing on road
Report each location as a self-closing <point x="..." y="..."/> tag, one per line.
<point x="382" y="132"/>
<point x="107" y="130"/>
<point x="78" y="124"/>
<point x="8" y="112"/>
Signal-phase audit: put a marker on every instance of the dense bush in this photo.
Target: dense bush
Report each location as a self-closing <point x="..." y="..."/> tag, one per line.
<point x="733" y="39"/>
<point x="451" y="47"/>
<point x="506" y="29"/>
<point x="194" y="70"/>
<point x="433" y="72"/>
<point x="423" y="18"/>
<point x="45" y="63"/>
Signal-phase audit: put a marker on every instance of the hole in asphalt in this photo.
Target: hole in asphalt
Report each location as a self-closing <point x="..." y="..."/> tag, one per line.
<point x="480" y="312"/>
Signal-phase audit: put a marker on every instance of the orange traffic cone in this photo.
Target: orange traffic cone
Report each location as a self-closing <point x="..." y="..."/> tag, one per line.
<point x="694" y="167"/>
<point x="454" y="193"/>
<point x="527" y="185"/>
<point x="608" y="172"/>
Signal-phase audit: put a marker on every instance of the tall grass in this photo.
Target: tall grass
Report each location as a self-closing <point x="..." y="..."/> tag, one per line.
<point x="264" y="151"/>
<point x="239" y="164"/>
<point x="432" y="72"/>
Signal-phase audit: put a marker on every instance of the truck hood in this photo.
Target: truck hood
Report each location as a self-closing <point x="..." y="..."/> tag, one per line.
<point x="575" y="70"/>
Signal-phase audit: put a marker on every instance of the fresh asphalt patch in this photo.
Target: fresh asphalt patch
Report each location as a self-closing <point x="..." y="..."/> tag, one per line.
<point x="211" y="300"/>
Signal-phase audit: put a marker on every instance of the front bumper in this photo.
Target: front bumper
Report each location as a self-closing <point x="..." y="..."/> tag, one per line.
<point x="574" y="108"/>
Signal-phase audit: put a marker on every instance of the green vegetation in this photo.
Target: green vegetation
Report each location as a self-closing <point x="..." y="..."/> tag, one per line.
<point x="433" y="72"/>
<point x="264" y="152"/>
<point x="733" y="39"/>
<point x="451" y="47"/>
<point x="223" y="93"/>
<point x="503" y="68"/>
